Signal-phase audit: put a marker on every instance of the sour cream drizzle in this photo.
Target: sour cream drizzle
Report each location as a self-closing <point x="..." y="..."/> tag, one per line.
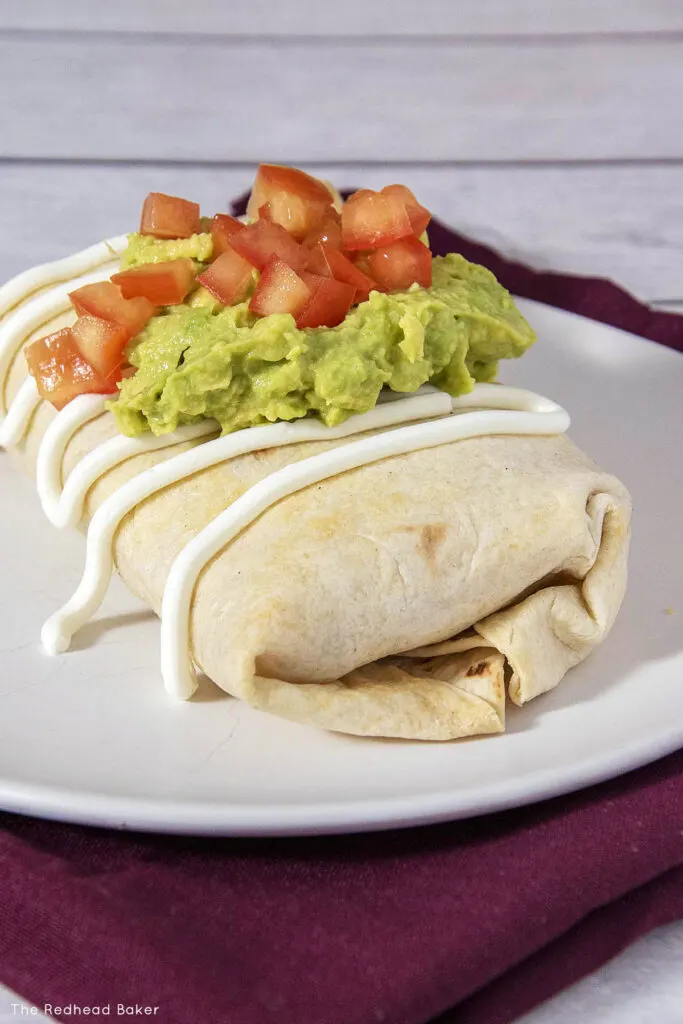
<point x="20" y="413"/>
<point x="425" y="419"/>
<point x="63" y="504"/>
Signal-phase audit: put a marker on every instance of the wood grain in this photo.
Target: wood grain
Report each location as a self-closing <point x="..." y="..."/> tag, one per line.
<point x="356" y="17"/>
<point x="625" y="223"/>
<point x="106" y="98"/>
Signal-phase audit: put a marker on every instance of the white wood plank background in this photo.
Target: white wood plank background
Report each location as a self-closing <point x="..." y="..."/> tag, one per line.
<point x="236" y="99"/>
<point x="552" y="129"/>
<point x="354" y="17"/>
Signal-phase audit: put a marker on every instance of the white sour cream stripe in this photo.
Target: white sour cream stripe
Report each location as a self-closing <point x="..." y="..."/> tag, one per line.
<point x="20" y="287"/>
<point x="76" y="414"/>
<point x="63" y="505"/>
<point x="15" y="423"/>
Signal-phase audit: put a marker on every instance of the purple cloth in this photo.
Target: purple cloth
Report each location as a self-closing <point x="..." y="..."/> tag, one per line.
<point x="471" y="922"/>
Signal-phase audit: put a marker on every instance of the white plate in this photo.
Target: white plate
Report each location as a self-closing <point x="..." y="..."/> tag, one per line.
<point x="91" y="736"/>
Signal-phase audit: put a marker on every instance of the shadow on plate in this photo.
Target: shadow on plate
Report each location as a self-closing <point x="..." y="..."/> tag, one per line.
<point x="93" y="631"/>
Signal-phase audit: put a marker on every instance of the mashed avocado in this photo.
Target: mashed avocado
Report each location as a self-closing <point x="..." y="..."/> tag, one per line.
<point x="146" y="249"/>
<point x="198" y="360"/>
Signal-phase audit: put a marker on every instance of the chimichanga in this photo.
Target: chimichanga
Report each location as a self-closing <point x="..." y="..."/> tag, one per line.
<point x="401" y="594"/>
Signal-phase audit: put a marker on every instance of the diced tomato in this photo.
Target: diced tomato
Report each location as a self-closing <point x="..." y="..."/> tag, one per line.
<point x="312" y="280"/>
<point x="329" y="262"/>
<point x="296" y="215"/>
<point x="262" y="240"/>
<point x="419" y="215"/>
<point x="228" y="277"/>
<point x="329" y="231"/>
<point x="169" y="216"/>
<point x="317" y="264"/>
<point x="223" y="227"/>
<point x="360" y="260"/>
<point x="397" y="266"/>
<point x="328" y="305"/>
<point x="101" y="343"/>
<point x="61" y="372"/>
<point x="164" y="284"/>
<point x="272" y="179"/>
<point x="105" y="300"/>
<point x="280" y="290"/>
<point x="371" y="219"/>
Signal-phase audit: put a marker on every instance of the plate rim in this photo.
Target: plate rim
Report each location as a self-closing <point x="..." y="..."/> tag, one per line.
<point x="210" y="818"/>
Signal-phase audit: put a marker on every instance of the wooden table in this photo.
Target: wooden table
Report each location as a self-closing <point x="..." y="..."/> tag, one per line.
<point x="552" y="129"/>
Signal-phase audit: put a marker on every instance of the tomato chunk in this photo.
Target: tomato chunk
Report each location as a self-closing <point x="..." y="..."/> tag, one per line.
<point x="61" y="373"/>
<point x="329" y="262"/>
<point x="397" y="266"/>
<point x="419" y="215"/>
<point x="329" y="303"/>
<point x="280" y="290"/>
<point x="272" y="179"/>
<point x="371" y="219"/>
<point x="228" y="278"/>
<point x="223" y="227"/>
<point x="329" y="231"/>
<point x="169" y="216"/>
<point x="105" y="300"/>
<point x="296" y="215"/>
<point x="101" y="343"/>
<point x="262" y="240"/>
<point x="164" y="284"/>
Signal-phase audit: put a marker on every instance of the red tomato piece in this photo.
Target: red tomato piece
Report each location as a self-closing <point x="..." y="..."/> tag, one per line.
<point x="419" y="215"/>
<point x="101" y="343"/>
<point x="397" y="266"/>
<point x="312" y="280"/>
<point x="262" y="240"/>
<point x="272" y="179"/>
<point x="360" y="260"/>
<point x="317" y="264"/>
<point x="280" y="290"/>
<point x="169" y="216"/>
<point x="223" y="227"/>
<point x="328" y="231"/>
<point x="105" y="300"/>
<point x="164" y="284"/>
<point x="328" y="305"/>
<point x="371" y="219"/>
<point x="61" y="372"/>
<point x="342" y="269"/>
<point x="228" y="277"/>
<point x="299" y="217"/>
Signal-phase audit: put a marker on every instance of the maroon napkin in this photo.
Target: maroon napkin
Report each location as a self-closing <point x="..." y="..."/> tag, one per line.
<point x="474" y="922"/>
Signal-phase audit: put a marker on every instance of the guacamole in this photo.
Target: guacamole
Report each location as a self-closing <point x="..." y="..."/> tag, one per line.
<point x="146" y="249"/>
<point x="202" y="359"/>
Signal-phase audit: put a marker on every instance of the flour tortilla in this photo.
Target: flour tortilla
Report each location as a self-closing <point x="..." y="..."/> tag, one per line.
<point x="397" y="599"/>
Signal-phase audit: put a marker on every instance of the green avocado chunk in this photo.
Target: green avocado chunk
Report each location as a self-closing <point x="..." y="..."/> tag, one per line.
<point x="146" y="249"/>
<point x="205" y="360"/>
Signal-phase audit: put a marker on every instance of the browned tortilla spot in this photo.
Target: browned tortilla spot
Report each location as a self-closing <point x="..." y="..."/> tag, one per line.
<point x="477" y="670"/>
<point x="431" y="537"/>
